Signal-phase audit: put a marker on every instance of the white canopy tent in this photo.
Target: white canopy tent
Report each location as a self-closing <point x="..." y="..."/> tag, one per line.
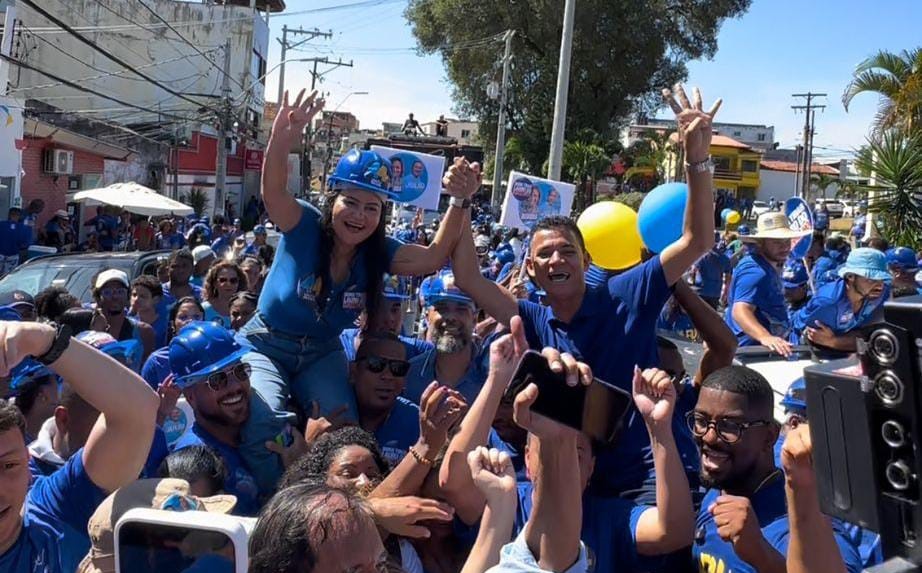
<point x="134" y="198"/>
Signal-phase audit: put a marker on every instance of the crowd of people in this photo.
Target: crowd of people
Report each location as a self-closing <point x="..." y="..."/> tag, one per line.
<point x="363" y="439"/>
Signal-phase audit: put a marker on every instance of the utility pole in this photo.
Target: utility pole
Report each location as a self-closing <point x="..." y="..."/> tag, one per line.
<point x="555" y="161"/>
<point x="307" y="149"/>
<point x="224" y="122"/>
<point x="501" y="122"/>
<point x="809" y="130"/>
<point x="311" y="34"/>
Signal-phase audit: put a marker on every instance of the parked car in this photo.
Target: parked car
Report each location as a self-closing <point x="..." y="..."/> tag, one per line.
<point x="758" y="207"/>
<point x="851" y="207"/>
<point x="76" y="271"/>
<point x="834" y="206"/>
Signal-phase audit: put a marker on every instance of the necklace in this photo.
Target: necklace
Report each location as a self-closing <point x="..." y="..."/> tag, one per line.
<point x="767" y="479"/>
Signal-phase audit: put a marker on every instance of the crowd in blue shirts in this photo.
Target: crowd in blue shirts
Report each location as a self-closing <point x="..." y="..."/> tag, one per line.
<point x="352" y="380"/>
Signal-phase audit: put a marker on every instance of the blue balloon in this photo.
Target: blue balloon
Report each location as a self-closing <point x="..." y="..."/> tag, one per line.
<point x="661" y="216"/>
<point x="725" y="213"/>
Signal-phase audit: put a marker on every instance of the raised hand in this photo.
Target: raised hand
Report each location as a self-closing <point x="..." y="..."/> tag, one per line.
<point x="21" y="339"/>
<point x="462" y="179"/>
<point x="169" y="394"/>
<point x="797" y="457"/>
<point x="694" y="122"/>
<point x="441" y="408"/>
<point x="654" y="396"/>
<point x="737" y="524"/>
<point x="399" y="515"/>
<point x="493" y="474"/>
<point x="542" y="427"/>
<point x="506" y="351"/>
<point x="293" y="118"/>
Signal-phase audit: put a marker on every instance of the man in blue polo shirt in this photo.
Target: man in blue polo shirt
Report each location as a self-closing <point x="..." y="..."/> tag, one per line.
<point x="838" y="309"/>
<point x="742" y="526"/>
<point x="903" y="266"/>
<point x="756" y="312"/>
<point x="611" y="327"/>
<point x="43" y="525"/>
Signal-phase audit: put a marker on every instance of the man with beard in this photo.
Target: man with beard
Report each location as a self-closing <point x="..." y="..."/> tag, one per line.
<point x="454" y="357"/>
<point x="756" y="312"/>
<point x="206" y="364"/>
<point x="743" y="525"/>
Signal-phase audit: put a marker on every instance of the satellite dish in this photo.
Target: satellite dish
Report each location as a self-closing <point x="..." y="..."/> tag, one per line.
<point x="493" y="90"/>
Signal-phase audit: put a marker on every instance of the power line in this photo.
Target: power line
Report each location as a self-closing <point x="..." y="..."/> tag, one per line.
<point x="63" y="25"/>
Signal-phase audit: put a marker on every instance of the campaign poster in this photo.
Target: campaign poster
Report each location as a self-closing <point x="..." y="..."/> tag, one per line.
<point x="415" y="177"/>
<point x="801" y="219"/>
<point x="530" y="199"/>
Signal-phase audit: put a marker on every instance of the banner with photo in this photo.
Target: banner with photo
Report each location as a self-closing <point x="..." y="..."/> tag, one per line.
<point x="530" y="199"/>
<point x="416" y="177"/>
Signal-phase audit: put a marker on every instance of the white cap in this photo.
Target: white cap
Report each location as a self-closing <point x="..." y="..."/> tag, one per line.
<point x="201" y="252"/>
<point x="62" y="213"/>
<point x="112" y="275"/>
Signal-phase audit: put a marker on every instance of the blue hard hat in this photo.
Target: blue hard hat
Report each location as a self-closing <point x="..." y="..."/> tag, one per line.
<point x="796" y="397"/>
<point x="743" y="230"/>
<point x="259" y="230"/>
<point x="442" y="287"/>
<point x="395" y="287"/>
<point x="902" y="258"/>
<point x="28" y="372"/>
<point x="363" y="169"/>
<point x="202" y="348"/>
<point x="128" y="352"/>
<point x="504" y="272"/>
<point x="794" y="274"/>
<point x="504" y="256"/>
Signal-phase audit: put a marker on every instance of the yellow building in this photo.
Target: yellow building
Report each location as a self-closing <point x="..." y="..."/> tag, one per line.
<point x="736" y="166"/>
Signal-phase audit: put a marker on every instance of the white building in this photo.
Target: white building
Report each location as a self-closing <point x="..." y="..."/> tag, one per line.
<point x="464" y="131"/>
<point x="758" y="137"/>
<point x="779" y="179"/>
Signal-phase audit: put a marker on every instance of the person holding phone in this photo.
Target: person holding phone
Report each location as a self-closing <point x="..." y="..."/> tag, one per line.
<point x="613" y="326"/>
<point x="328" y="268"/>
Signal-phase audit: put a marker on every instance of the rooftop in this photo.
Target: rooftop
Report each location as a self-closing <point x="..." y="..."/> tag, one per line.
<point x="792" y="167"/>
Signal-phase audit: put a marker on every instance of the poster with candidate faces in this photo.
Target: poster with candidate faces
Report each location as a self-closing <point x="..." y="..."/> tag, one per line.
<point x="415" y="177"/>
<point x="530" y="199"/>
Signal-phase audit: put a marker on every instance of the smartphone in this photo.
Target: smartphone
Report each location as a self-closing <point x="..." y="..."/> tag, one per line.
<point x="598" y="410"/>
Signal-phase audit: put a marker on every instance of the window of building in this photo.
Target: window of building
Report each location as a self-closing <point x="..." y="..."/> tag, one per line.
<point x="721" y="163"/>
<point x="761" y="137"/>
<point x="258" y="68"/>
<point x="750" y="165"/>
<point x="737" y="133"/>
<point x="465" y="133"/>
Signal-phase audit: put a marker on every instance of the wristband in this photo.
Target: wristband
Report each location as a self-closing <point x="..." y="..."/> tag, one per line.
<point x="459" y="202"/>
<point x="701" y="166"/>
<point x="58" y="345"/>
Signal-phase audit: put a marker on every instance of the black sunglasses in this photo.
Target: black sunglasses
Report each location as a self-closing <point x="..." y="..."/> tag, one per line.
<point x="729" y="431"/>
<point x="219" y="380"/>
<point x="377" y="364"/>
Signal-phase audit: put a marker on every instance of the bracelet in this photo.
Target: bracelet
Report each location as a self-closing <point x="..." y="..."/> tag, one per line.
<point x="419" y="458"/>
<point x="706" y="166"/>
<point x="58" y="345"/>
<point x="459" y="202"/>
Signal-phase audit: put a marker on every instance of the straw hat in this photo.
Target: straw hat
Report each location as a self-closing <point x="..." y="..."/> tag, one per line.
<point x="774" y="225"/>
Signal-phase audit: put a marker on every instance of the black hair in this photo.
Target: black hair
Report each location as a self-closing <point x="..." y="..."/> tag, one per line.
<point x="297" y="521"/>
<point x="25" y="399"/>
<point x="174" y="310"/>
<point x="744" y="381"/>
<point x="11" y="417"/>
<point x="195" y="463"/>
<point x="149" y="282"/>
<point x="183" y="253"/>
<point x="54" y="301"/>
<point x="558" y="223"/>
<point x="371" y="338"/>
<point x="244" y="295"/>
<point x="375" y="259"/>
<point x="835" y="243"/>
<point x="316" y="463"/>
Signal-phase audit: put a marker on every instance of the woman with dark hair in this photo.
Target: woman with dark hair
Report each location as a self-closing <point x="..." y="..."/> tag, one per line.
<point x="157" y="367"/>
<point x="53" y="302"/>
<point x="242" y="308"/>
<point x="328" y="268"/>
<point x="222" y="282"/>
<point x="201" y="466"/>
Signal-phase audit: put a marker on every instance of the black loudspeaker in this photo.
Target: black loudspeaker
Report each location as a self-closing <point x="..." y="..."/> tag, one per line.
<point x="865" y="423"/>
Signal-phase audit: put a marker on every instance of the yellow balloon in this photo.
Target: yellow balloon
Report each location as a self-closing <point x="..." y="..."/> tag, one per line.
<point x="610" y="231"/>
<point x="733" y="217"/>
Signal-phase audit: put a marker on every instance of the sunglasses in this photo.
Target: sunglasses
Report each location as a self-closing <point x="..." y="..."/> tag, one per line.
<point x="110" y="292"/>
<point x="225" y="280"/>
<point x="377" y="364"/>
<point x="219" y="380"/>
<point x="729" y="431"/>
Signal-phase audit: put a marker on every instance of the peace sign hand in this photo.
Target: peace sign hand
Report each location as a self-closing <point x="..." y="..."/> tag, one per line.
<point x="694" y="122"/>
<point x="293" y="118"/>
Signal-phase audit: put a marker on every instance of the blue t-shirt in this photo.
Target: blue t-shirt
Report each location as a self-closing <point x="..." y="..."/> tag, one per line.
<point x="238" y="481"/>
<point x="614" y="329"/>
<point x="713" y="554"/>
<point x="169" y="300"/>
<point x="422" y="370"/>
<point x="821" y="220"/>
<point x="158" y="325"/>
<point x="58" y="507"/>
<point x="826" y="267"/>
<point x="220" y="245"/>
<point x="288" y="301"/>
<point x="157" y="367"/>
<point x="830" y="305"/>
<point x="711" y="270"/>
<point x="14" y="237"/>
<point x="172" y="241"/>
<point x="212" y="315"/>
<point x="415" y="346"/>
<point x="757" y="282"/>
<point x="106" y="230"/>
<point x="399" y="431"/>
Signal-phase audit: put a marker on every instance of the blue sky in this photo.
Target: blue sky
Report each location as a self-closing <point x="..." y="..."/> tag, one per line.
<point x="779" y="47"/>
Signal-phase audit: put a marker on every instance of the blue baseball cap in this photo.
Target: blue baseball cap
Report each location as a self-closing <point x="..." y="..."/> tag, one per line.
<point x="129" y="352"/>
<point x="795" y="399"/>
<point x="743" y="230"/>
<point x="441" y="287"/>
<point x="259" y="230"/>
<point x="395" y="287"/>
<point x="794" y="274"/>
<point x="868" y="263"/>
<point x="29" y="373"/>
<point x="902" y="258"/>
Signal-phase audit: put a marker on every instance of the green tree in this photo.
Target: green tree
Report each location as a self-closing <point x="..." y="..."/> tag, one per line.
<point x="895" y="159"/>
<point x="584" y="163"/>
<point x="623" y="52"/>
<point x="897" y="79"/>
<point x="822" y="182"/>
<point x="198" y="200"/>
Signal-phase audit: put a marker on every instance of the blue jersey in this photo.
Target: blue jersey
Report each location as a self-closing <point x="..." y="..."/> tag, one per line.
<point x="422" y="370"/>
<point x="221" y="245"/>
<point x="290" y="299"/>
<point x="239" y="481"/>
<point x="399" y="431"/>
<point x="14" y="237"/>
<point x="711" y="270"/>
<point x="821" y="220"/>
<point x="756" y="282"/>
<point x="173" y="241"/>
<point x="614" y="329"/>
<point x="713" y="554"/>
<point x="54" y="535"/>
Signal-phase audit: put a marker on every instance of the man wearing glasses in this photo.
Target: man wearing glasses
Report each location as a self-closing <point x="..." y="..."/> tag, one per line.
<point x="205" y="362"/>
<point x="743" y="523"/>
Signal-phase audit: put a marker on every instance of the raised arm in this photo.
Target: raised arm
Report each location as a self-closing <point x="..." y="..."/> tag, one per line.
<point x="698" y="233"/>
<point x="118" y="444"/>
<point x="492" y="298"/>
<point x="461" y="181"/>
<point x="283" y="209"/>
<point x="492" y="472"/>
<point x="720" y="344"/>
<point x="670" y="525"/>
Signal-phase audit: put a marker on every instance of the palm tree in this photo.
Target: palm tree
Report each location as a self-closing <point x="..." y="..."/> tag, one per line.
<point x="897" y="79"/>
<point x="895" y="159"/>
<point x="585" y="163"/>
<point x="822" y="182"/>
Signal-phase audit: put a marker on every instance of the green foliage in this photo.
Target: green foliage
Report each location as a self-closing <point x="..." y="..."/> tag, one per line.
<point x="632" y="200"/>
<point x="624" y="51"/>
<point x="584" y="163"/>
<point x="897" y="80"/>
<point x="822" y="182"/>
<point x="198" y="200"/>
<point x="895" y="159"/>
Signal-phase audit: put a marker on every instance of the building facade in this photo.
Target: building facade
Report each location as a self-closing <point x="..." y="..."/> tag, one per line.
<point x="756" y="136"/>
<point x="465" y="132"/>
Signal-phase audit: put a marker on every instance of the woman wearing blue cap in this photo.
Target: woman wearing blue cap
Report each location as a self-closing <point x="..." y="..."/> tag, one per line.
<point x="831" y="319"/>
<point x="328" y="269"/>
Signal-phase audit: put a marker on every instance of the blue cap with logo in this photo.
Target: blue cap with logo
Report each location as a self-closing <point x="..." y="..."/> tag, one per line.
<point x="795" y="399"/>
<point x="794" y="274"/>
<point x="903" y="258"/>
<point x="441" y="287"/>
<point x="743" y="230"/>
